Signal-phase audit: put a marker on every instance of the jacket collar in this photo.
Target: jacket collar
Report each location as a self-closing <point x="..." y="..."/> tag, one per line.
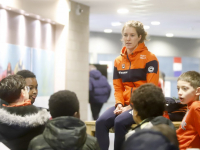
<point x="141" y="47"/>
<point x="28" y="119"/>
<point x="26" y="103"/>
<point x="190" y="104"/>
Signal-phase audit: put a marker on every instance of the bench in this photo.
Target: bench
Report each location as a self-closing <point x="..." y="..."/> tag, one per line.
<point x="90" y="125"/>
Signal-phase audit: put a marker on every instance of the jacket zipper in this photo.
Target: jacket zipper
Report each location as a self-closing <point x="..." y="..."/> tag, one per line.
<point x="129" y="74"/>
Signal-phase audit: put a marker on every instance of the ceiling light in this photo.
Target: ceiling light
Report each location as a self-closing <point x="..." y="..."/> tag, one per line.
<point x="169" y="35"/>
<point x="22" y="11"/>
<point x="116" y="23"/>
<point x="48" y="20"/>
<point x="122" y="11"/>
<point x="107" y="30"/>
<point x="37" y="17"/>
<point x="9" y="8"/>
<point x="138" y="6"/>
<point x="155" y="22"/>
<point x="146" y="27"/>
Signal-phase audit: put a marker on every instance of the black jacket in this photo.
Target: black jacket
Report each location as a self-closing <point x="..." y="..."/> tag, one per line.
<point x="150" y="122"/>
<point x="2" y="102"/>
<point x="64" y="133"/>
<point x="99" y="88"/>
<point x="19" y="125"/>
<point x="148" y="139"/>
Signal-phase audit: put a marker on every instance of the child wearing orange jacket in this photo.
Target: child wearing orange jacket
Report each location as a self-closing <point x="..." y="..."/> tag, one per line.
<point x="188" y="85"/>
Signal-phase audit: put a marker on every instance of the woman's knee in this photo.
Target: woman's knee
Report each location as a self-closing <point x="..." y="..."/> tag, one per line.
<point x="105" y="121"/>
<point x="100" y="121"/>
<point x="124" y="120"/>
<point x="118" y="122"/>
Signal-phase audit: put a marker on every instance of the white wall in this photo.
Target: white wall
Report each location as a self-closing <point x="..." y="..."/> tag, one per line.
<point x="69" y="40"/>
<point x="77" y="65"/>
<point x="56" y="10"/>
<point x="163" y="46"/>
<point x="26" y="31"/>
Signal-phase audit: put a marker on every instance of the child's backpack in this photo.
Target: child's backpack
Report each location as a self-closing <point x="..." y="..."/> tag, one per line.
<point x="175" y="109"/>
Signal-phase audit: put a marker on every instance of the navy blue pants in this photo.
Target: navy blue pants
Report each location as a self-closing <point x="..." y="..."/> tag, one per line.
<point x="96" y="108"/>
<point x="121" y="124"/>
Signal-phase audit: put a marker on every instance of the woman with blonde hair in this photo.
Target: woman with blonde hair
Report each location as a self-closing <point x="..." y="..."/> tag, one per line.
<point x="134" y="67"/>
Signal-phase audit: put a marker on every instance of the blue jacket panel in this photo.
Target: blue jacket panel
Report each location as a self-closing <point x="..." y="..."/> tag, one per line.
<point x="99" y="88"/>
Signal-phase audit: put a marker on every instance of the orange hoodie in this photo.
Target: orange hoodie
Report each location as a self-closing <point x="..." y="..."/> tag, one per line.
<point x="27" y="102"/>
<point x="133" y="70"/>
<point x="189" y="131"/>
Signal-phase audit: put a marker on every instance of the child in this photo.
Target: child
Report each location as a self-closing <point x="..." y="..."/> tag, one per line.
<point x="65" y="130"/>
<point x="188" y="85"/>
<point x="31" y="81"/>
<point x="19" y="120"/>
<point x="148" y="105"/>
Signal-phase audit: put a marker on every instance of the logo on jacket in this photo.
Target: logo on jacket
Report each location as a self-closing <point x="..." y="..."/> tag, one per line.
<point x="142" y="56"/>
<point x="151" y="69"/>
<point x="123" y="72"/>
<point x="123" y="66"/>
<point x="183" y="123"/>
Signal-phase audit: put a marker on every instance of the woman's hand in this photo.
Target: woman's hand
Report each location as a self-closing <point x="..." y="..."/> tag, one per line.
<point x="126" y="108"/>
<point x="118" y="109"/>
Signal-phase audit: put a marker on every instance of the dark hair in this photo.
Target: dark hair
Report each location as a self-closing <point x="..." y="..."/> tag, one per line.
<point x="192" y="77"/>
<point x="148" y="100"/>
<point x="63" y="103"/>
<point x="167" y="132"/>
<point x="26" y="74"/>
<point x="10" y="87"/>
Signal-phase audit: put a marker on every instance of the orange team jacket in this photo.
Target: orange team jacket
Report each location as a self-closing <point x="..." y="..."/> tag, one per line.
<point x="133" y="70"/>
<point x="189" y="131"/>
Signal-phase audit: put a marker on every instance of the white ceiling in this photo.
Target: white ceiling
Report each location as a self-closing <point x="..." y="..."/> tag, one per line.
<point x="180" y="17"/>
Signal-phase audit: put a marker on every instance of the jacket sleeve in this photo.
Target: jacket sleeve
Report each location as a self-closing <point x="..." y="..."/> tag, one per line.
<point x="109" y="89"/>
<point x="91" y="143"/>
<point x="152" y="69"/>
<point x="118" y="86"/>
<point x="196" y="117"/>
<point x="90" y="84"/>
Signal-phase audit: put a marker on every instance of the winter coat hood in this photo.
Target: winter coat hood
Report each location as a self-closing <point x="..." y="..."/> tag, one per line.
<point x="148" y="139"/>
<point x="162" y="120"/>
<point x="99" y="88"/>
<point x="141" y="47"/>
<point x="96" y="74"/>
<point x="65" y="133"/>
<point x="20" y="124"/>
